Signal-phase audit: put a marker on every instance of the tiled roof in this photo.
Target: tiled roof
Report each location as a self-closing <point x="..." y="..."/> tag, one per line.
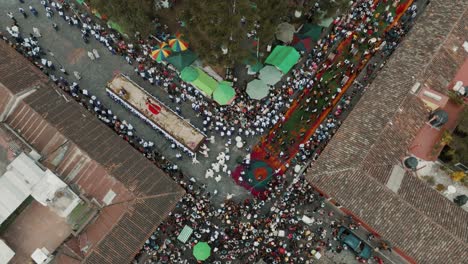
<point x="16" y="72"/>
<point x="357" y="163"/>
<point x="157" y="194"/>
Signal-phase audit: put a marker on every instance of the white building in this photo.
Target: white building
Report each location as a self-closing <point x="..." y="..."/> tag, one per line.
<point x="23" y="178"/>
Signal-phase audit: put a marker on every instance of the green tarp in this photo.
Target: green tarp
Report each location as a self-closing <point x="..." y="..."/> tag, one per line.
<point x="270" y="75"/>
<point x="115" y="26"/>
<point x="201" y="251"/>
<point x="80" y="1"/>
<point x="189" y="74"/>
<point x="283" y="57"/>
<point x="312" y="31"/>
<point x="205" y="83"/>
<point x="180" y="60"/>
<point x="224" y="94"/>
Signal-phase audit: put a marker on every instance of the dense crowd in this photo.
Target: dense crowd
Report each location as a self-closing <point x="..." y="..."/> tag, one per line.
<point x="273" y="229"/>
<point x="291" y="226"/>
<point x="245" y="117"/>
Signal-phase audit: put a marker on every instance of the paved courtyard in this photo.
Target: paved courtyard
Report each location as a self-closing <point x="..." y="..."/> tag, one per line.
<point x="36" y="227"/>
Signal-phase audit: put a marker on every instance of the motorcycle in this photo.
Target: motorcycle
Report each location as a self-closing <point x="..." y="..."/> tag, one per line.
<point x="55" y="26"/>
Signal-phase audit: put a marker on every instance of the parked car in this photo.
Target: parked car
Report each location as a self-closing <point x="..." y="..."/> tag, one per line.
<point x="360" y="248"/>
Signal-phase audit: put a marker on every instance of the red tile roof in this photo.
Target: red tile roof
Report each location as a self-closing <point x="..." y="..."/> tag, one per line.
<point x="157" y="194"/>
<point x="16" y="72"/>
<point x="355" y="166"/>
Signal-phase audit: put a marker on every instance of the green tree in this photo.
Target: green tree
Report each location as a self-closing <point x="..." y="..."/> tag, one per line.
<point x="459" y="140"/>
<point x="132" y="16"/>
<point x="213" y="25"/>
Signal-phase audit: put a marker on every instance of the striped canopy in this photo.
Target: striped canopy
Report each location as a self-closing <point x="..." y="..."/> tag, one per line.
<point x="185" y="234"/>
<point x="177" y="43"/>
<point x="161" y="53"/>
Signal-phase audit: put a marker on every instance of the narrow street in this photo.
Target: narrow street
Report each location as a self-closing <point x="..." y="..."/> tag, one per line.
<point x="66" y="47"/>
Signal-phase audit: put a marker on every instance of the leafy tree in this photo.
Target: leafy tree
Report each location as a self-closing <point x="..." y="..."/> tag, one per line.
<point x="213" y="25"/>
<point x="458" y="143"/>
<point x="132" y="16"/>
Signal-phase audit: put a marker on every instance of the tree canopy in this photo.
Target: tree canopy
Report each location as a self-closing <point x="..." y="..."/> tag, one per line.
<point x="211" y="25"/>
<point x="132" y="16"/>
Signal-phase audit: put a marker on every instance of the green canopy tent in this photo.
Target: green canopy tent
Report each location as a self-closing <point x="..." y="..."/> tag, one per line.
<point x="115" y="26"/>
<point x="189" y="74"/>
<point x="311" y="30"/>
<point x="270" y="75"/>
<point x="201" y="251"/>
<point x="283" y="57"/>
<point x="224" y="94"/>
<point x="257" y="89"/>
<point x="180" y="60"/>
<point x="205" y="83"/>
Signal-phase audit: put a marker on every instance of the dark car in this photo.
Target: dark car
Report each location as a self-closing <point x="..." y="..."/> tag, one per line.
<point x="359" y="247"/>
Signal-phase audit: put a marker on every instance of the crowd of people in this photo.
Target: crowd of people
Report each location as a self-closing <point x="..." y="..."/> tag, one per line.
<point x="273" y="229"/>
<point x="245" y="117"/>
<point x="291" y="226"/>
<point x="361" y="33"/>
<point x="28" y="45"/>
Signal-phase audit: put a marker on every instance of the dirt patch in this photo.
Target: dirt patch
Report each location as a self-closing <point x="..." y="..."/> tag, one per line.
<point x="76" y="55"/>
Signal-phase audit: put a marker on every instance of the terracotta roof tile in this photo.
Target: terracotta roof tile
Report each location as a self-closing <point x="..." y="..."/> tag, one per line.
<point x="156" y="193"/>
<point x="16" y="72"/>
<point x="357" y="163"/>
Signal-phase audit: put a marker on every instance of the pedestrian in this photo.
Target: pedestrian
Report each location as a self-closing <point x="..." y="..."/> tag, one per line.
<point x="10" y="15"/>
<point x="77" y="75"/>
<point x="96" y="54"/>
<point x="63" y="70"/>
<point x="21" y="10"/>
<point x="91" y="55"/>
<point x="33" y="10"/>
<point x="50" y="65"/>
<point x="36" y="32"/>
